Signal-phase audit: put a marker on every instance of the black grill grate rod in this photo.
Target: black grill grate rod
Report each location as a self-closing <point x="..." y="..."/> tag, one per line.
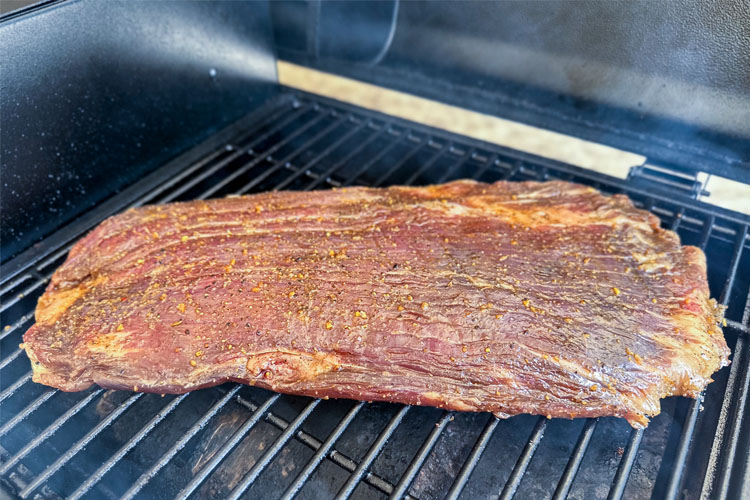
<point x="50" y="430"/>
<point x="734" y="422"/>
<point x="335" y="456"/>
<point x="691" y="417"/>
<point x="728" y="405"/>
<point x="296" y="112"/>
<point x="279" y="164"/>
<point x="263" y="155"/>
<point x="15" y="386"/>
<point x="367" y="165"/>
<point x="332" y="147"/>
<point x="180" y="444"/>
<point x="724" y="446"/>
<point x="17" y="350"/>
<point x="10" y="358"/>
<point x="397" y="165"/>
<point x="455" y="166"/>
<point x="421" y="457"/>
<point x="322" y="452"/>
<point x="12" y="283"/>
<point x="348" y="488"/>
<point x="227" y="448"/>
<point x="80" y="444"/>
<point x="326" y="175"/>
<point x="726" y="292"/>
<point x="511" y="486"/>
<point x="20" y="295"/>
<point x="194" y="181"/>
<point x="574" y="463"/>
<point x="23" y="414"/>
<point x="426" y="165"/>
<point x="473" y="459"/>
<point x="269" y="455"/>
<point x="125" y="448"/>
<point x="21" y="321"/>
<point x="626" y="465"/>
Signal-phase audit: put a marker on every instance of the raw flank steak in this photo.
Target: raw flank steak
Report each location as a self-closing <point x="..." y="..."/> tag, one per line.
<point x="543" y="298"/>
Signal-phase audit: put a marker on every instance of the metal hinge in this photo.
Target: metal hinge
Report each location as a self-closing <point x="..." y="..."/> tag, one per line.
<point x="701" y="186"/>
<point x="683" y="182"/>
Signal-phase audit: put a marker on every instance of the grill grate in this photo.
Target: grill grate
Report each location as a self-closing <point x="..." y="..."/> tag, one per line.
<point x="238" y="441"/>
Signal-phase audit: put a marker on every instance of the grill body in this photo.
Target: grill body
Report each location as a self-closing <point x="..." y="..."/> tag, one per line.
<point x="111" y="444"/>
<point x="243" y="442"/>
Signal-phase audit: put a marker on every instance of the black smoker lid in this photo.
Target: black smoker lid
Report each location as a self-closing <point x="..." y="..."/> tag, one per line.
<point x="668" y="80"/>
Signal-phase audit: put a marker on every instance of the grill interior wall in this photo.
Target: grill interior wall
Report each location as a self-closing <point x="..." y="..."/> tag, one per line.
<point x="242" y="441"/>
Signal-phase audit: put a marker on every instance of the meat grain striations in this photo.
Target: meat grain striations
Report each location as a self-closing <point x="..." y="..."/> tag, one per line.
<point x="544" y="298"/>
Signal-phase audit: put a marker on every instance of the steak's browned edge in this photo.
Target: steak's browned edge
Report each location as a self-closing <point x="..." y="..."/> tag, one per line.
<point x="544" y="298"/>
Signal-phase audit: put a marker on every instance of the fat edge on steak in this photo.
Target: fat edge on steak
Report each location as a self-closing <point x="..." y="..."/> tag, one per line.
<point x="543" y="298"/>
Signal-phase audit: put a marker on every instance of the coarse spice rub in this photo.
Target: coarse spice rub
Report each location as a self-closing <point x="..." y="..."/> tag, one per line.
<point x="544" y="298"/>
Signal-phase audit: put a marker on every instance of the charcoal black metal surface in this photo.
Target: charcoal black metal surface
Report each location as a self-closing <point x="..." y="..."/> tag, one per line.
<point x="244" y="442"/>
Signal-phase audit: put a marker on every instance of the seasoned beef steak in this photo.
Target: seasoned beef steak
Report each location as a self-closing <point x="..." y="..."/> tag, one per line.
<point x="544" y="298"/>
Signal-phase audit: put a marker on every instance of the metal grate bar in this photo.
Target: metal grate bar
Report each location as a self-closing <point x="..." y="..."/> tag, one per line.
<point x="366" y="166"/>
<point x="262" y="155"/>
<point x="455" y="166"/>
<point x="49" y="431"/>
<point x="691" y="417"/>
<point x="282" y="440"/>
<point x="14" y="387"/>
<point x="194" y="180"/>
<point x="322" y="452"/>
<point x="511" y="486"/>
<point x="197" y="179"/>
<point x="20" y="295"/>
<point x="473" y="459"/>
<point x="372" y="454"/>
<point x="734" y="421"/>
<point x="491" y="162"/>
<point x="677" y="219"/>
<point x="343" y="161"/>
<point x="413" y="151"/>
<point x="726" y="292"/>
<point x="21" y="321"/>
<point x="735" y="424"/>
<point x="13" y="282"/>
<point x="426" y="165"/>
<point x="23" y="414"/>
<point x="738" y="326"/>
<point x="227" y="448"/>
<point x="280" y="163"/>
<point x="338" y="142"/>
<point x="708" y="226"/>
<point x="124" y="449"/>
<point x="80" y="444"/>
<point x="180" y="444"/>
<point x="8" y="360"/>
<point x="419" y="459"/>
<point x="566" y="481"/>
<point x="684" y="445"/>
<point x="188" y="172"/>
<point x="626" y="465"/>
<point x="739" y="415"/>
<point x="335" y="456"/>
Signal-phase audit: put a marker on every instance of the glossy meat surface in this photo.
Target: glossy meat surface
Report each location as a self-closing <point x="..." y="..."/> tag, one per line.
<point x="544" y="298"/>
